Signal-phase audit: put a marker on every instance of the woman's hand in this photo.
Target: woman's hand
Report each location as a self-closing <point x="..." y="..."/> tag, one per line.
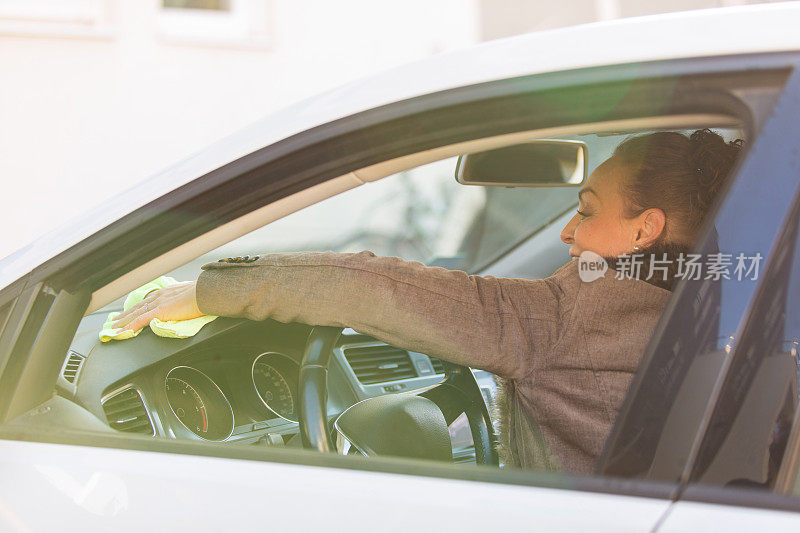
<point x="176" y="302"/>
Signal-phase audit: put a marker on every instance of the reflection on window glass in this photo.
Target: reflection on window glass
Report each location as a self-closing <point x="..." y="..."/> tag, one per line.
<point x="508" y="216"/>
<point x="421" y="214"/>
<point x="749" y="429"/>
<point x="219" y="5"/>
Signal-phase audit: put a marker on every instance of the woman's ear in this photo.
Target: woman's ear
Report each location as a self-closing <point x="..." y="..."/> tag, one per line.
<point x="652" y="224"/>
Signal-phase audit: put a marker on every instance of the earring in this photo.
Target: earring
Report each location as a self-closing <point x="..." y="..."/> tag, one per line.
<point x="636" y="248"/>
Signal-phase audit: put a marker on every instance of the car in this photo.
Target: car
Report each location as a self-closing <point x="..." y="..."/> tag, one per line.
<point x="244" y="425"/>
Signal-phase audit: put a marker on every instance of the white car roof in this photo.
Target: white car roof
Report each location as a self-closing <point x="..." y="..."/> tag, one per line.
<point x="709" y="32"/>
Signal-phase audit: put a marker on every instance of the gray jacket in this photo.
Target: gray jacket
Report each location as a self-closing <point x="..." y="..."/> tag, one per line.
<point x="565" y="349"/>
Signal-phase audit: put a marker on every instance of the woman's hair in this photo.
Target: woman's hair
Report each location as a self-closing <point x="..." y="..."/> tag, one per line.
<point x="678" y="174"/>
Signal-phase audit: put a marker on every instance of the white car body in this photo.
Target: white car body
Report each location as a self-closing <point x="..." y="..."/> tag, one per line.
<point x="50" y="487"/>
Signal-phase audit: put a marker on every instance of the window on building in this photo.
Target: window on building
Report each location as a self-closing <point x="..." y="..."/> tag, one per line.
<point x="236" y="23"/>
<point x="219" y="5"/>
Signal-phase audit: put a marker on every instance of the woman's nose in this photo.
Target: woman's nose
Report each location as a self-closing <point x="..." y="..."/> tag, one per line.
<point x="569" y="230"/>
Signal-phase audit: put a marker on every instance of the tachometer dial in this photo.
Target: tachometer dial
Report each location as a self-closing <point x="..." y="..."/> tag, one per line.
<point x="187" y="405"/>
<point x="276" y="389"/>
<point x="198" y="403"/>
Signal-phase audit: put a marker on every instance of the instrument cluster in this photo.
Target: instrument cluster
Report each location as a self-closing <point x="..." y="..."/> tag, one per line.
<point x="212" y="403"/>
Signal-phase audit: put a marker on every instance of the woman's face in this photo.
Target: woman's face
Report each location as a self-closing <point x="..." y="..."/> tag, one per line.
<point x="599" y="225"/>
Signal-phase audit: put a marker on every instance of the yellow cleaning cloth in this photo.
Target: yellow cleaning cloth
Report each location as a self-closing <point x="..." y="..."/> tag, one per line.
<point x="175" y="329"/>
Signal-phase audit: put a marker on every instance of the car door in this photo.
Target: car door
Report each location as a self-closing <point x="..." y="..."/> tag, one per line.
<point x="104" y="479"/>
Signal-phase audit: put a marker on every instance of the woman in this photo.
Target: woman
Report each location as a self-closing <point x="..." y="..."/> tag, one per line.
<point x="565" y="349"/>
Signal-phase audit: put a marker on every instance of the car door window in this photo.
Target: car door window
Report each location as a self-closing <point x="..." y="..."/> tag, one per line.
<point x="420" y="214"/>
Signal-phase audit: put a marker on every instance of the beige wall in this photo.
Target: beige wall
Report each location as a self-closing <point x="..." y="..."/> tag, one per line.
<point x="503" y="18"/>
<point x="92" y="103"/>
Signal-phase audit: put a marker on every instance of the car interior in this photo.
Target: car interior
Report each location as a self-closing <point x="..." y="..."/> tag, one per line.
<point x="238" y="382"/>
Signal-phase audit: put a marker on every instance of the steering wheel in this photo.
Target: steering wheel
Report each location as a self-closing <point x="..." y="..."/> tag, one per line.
<point x="458" y="393"/>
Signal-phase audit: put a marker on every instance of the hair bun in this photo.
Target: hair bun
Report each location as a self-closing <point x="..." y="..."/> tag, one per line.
<point x="677" y="173"/>
<point x="711" y="159"/>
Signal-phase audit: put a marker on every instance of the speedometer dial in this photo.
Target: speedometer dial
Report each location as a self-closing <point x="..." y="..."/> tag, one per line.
<point x="274" y="378"/>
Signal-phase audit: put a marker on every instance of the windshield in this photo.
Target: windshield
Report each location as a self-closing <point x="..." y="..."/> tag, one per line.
<point x="423" y="214"/>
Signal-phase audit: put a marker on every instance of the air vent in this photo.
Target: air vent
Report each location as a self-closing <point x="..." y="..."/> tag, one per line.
<point x="125" y="411"/>
<point x="378" y="364"/>
<point x="438" y="366"/>
<point x="72" y="367"/>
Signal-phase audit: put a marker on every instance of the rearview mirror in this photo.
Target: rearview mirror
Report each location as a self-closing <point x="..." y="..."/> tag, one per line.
<point x="540" y="163"/>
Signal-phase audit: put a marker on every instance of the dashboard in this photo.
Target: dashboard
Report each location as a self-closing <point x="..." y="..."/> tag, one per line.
<point x="236" y="381"/>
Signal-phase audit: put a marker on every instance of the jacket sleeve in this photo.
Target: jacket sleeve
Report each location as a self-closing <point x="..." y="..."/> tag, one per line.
<point x="497" y="324"/>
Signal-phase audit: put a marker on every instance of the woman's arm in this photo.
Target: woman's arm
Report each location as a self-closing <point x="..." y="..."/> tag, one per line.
<point x="497" y="324"/>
